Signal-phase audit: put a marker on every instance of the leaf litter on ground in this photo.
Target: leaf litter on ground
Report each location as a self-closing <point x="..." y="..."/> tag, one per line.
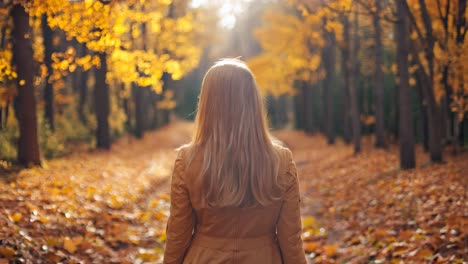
<point x="112" y="207"/>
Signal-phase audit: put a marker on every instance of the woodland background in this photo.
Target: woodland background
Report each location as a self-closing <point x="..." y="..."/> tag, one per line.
<point x="371" y="95"/>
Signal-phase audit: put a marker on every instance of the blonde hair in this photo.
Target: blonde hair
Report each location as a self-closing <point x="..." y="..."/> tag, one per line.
<point x="240" y="165"/>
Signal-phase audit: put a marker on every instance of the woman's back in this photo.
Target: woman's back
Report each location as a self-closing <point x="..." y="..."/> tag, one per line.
<point x="219" y="221"/>
<point x="234" y="191"/>
<point x="259" y="234"/>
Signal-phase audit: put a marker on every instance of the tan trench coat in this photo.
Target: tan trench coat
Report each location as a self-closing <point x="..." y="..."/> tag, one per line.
<point x="260" y="235"/>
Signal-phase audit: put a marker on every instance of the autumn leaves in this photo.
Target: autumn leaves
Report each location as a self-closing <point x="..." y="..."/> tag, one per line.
<point x="118" y="46"/>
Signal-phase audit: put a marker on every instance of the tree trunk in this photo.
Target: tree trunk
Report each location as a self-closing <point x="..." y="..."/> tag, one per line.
<point x="76" y="75"/>
<point x="461" y="22"/>
<point x="463" y="132"/>
<point x="308" y="107"/>
<point x="138" y="93"/>
<point x="345" y="70"/>
<point x="299" y="109"/>
<point x="435" y="114"/>
<point x="7" y="112"/>
<point x="83" y="96"/>
<point x="48" y="89"/>
<point x="272" y="111"/>
<point x="448" y="116"/>
<point x="425" y="128"/>
<point x="166" y="78"/>
<point x="4" y="115"/>
<point x="379" y="80"/>
<point x="435" y="132"/>
<point x="102" y="104"/>
<point x="139" y="110"/>
<point x="329" y="63"/>
<point x="407" y="156"/>
<point x="82" y="86"/>
<point x="283" y="111"/>
<point x="1" y="117"/>
<point x="396" y="114"/>
<point x="429" y="38"/>
<point x="154" y="123"/>
<point x="456" y="136"/>
<point x="354" y="72"/>
<point x="126" y="107"/>
<point x="423" y="110"/>
<point x="28" y="146"/>
<point x="3" y="109"/>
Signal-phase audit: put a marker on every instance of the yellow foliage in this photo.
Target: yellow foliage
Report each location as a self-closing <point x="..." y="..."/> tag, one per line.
<point x="291" y="47"/>
<point x="115" y="28"/>
<point x="449" y="54"/>
<point x="168" y="102"/>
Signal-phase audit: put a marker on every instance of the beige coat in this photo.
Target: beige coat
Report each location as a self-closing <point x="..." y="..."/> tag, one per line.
<point x="260" y="235"/>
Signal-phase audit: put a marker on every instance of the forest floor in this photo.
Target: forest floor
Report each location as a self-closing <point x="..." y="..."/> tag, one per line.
<point x="112" y="207"/>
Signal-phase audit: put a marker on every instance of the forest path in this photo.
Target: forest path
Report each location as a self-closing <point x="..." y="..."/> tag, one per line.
<point x="112" y="206"/>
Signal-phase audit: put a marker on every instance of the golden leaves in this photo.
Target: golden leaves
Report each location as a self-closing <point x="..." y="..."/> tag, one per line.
<point x="334" y="26"/>
<point x="291" y="47"/>
<point x="172" y="43"/>
<point x="7" y="74"/>
<point x="5" y="65"/>
<point x="144" y="68"/>
<point x="168" y="101"/>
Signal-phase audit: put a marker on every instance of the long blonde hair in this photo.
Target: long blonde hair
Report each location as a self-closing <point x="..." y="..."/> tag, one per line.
<point x="240" y="165"/>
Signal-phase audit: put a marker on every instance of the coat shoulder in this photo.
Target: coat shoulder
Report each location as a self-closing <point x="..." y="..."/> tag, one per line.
<point x="287" y="174"/>
<point x="283" y="152"/>
<point x="182" y="151"/>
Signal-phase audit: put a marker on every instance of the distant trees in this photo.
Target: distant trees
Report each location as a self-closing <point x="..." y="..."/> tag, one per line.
<point x="407" y="84"/>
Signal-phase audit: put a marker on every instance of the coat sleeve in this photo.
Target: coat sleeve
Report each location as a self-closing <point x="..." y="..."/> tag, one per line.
<point x="181" y="221"/>
<point x="289" y="226"/>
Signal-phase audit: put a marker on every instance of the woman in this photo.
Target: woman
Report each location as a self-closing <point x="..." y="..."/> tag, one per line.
<point x="234" y="191"/>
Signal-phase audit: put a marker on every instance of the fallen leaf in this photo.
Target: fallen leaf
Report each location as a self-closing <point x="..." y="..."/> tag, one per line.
<point x="7" y="252"/>
<point x="71" y="244"/>
<point x="330" y="250"/>
<point x="16" y="217"/>
<point x="311" y="246"/>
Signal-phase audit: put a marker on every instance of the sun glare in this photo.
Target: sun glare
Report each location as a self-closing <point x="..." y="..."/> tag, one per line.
<point x="228" y="10"/>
